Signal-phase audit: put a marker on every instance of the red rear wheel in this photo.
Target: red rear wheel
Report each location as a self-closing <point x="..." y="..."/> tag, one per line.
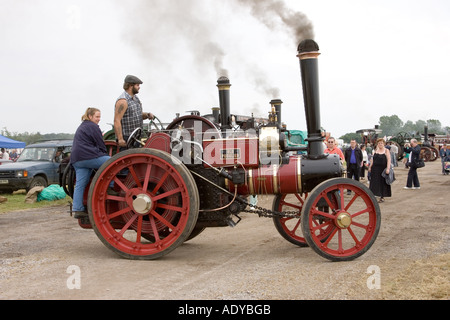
<point x="152" y="208"/>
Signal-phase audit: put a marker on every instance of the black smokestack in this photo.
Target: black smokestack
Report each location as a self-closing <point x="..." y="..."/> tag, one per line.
<point x="224" y="99"/>
<point x="425" y="135"/>
<point x="216" y="114"/>
<point x="308" y="53"/>
<point x="277" y="105"/>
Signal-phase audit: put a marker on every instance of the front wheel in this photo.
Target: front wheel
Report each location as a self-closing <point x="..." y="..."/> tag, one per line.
<point x="352" y="221"/>
<point x="143" y="204"/>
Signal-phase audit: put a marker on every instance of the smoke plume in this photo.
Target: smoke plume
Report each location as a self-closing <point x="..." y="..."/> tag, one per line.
<point x="158" y="27"/>
<point x="275" y="15"/>
<point x="260" y="81"/>
<point x="167" y="30"/>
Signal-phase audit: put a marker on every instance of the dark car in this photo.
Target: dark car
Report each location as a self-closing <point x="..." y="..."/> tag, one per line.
<point x="38" y="165"/>
<point x="2" y="161"/>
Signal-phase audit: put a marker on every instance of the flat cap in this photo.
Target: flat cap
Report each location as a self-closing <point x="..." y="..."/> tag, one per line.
<point x="133" y="80"/>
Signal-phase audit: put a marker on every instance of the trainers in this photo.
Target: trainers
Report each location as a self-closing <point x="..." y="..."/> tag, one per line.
<point x="407" y="188"/>
<point x="416" y="188"/>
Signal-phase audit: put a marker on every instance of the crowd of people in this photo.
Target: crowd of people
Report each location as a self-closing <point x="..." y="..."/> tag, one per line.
<point x="9" y="155"/>
<point x="380" y="162"/>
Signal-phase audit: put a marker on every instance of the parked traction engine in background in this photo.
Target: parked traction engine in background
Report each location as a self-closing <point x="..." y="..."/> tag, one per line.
<point x="199" y="173"/>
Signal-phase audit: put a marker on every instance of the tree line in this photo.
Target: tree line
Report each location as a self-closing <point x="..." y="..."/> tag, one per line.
<point x="390" y="126"/>
<point x="30" y="138"/>
<point x="393" y="125"/>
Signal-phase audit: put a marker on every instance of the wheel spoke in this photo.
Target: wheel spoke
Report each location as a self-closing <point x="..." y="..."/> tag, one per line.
<point x="169" y="207"/>
<point x="323" y="214"/>
<point x="318" y="225"/>
<point x="292" y="205"/>
<point x="332" y="205"/>
<point x="160" y="218"/>
<point x="333" y="233"/>
<point x="120" y="184"/>
<point x="135" y="177"/>
<point x="341" y="200"/>
<point x="325" y="197"/>
<point x="294" y="230"/>
<point x="147" y="177"/>
<point x="360" y="225"/>
<point x="139" y="229"/>
<point x="357" y="242"/>
<point x="160" y="183"/>
<point x="155" y="229"/>
<point x="119" y="213"/>
<point x="340" y="247"/>
<point x="361" y="212"/>
<point x="351" y="202"/>
<point x="299" y="197"/>
<point x="128" y="224"/>
<point x="167" y="194"/>
<point x="115" y="198"/>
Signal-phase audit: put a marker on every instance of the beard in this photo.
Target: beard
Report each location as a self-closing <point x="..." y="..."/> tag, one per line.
<point x="135" y="90"/>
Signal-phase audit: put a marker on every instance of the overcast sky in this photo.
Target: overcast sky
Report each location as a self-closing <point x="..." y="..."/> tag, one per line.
<point x="377" y="58"/>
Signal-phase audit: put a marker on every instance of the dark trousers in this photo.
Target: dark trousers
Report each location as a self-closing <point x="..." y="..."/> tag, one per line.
<point x="362" y="171"/>
<point x="353" y="171"/>
<point x="413" y="178"/>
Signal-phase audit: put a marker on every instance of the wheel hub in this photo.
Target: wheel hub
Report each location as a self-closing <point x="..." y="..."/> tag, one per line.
<point x="142" y="204"/>
<point x="344" y="220"/>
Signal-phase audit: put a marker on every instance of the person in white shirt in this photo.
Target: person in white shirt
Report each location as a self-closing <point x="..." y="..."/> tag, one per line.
<point x="5" y="155"/>
<point x="365" y="162"/>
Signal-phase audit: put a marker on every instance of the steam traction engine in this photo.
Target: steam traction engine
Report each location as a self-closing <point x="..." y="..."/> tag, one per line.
<point x="199" y="172"/>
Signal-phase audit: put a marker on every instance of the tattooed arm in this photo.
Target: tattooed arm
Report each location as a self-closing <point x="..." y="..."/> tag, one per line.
<point x="121" y="107"/>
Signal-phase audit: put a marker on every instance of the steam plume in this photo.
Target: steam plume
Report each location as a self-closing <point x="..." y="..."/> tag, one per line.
<point x="274" y="14"/>
<point x="159" y="27"/>
<point x="172" y="21"/>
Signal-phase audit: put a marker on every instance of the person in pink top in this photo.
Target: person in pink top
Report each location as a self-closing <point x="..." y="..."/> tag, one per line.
<point x="332" y="148"/>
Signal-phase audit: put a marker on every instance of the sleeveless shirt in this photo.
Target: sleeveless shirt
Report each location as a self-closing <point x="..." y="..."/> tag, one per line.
<point x="132" y="118"/>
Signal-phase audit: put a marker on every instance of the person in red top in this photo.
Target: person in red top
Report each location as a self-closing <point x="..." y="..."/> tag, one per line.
<point x="333" y="149"/>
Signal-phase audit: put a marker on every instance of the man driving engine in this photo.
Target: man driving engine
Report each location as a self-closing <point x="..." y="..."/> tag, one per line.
<point x="128" y="115"/>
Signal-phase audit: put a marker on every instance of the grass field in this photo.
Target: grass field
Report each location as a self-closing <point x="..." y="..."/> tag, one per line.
<point x="16" y="202"/>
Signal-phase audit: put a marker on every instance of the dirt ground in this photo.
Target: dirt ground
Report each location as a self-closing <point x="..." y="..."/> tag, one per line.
<point x="44" y="254"/>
